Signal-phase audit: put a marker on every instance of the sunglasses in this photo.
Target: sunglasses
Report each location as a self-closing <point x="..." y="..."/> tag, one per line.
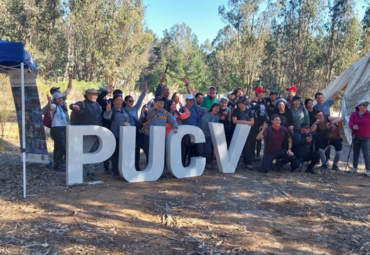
<point x="364" y="105"/>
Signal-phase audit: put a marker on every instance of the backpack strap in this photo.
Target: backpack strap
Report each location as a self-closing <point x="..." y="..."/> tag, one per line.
<point x="146" y="123"/>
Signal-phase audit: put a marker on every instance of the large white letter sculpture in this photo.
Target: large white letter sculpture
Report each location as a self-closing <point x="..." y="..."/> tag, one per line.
<point x="75" y="155"/>
<point x="173" y="152"/>
<point x="126" y="163"/>
<point x="227" y="161"/>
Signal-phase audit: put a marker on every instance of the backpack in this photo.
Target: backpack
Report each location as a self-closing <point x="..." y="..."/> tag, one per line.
<point x="74" y="115"/>
<point x="47" y="120"/>
<point x="284" y="144"/>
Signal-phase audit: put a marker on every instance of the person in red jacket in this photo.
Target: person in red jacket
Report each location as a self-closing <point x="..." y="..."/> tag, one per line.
<point x="359" y="123"/>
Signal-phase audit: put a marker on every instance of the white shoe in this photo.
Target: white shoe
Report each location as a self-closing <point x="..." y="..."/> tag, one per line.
<point x="353" y="170"/>
<point x="367" y="173"/>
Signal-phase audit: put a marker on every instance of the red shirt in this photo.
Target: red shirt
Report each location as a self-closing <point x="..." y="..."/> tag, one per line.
<point x="363" y="123"/>
<point x="274" y="139"/>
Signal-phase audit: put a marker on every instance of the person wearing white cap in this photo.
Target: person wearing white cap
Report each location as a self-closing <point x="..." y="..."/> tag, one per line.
<point x="58" y="130"/>
<point x="53" y="90"/>
<point x="359" y="123"/>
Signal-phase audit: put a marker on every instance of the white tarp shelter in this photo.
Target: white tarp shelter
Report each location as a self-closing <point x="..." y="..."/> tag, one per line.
<point x="355" y="81"/>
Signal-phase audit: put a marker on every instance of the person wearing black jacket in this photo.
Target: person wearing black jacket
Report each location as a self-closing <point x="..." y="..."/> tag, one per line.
<point x="259" y="109"/>
<point x="301" y="147"/>
<point x="270" y="103"/>
<point x="102" y="101"/>
<point x="88" y="112"/>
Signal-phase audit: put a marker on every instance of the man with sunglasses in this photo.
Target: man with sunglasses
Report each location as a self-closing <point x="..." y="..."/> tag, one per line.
<point x="302" y="141"/>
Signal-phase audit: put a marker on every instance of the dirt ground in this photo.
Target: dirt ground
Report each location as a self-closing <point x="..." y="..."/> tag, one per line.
<point x="247" y="212"/>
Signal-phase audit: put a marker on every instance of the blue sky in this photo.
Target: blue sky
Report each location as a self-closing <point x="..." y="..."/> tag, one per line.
<point x="200" y="15"/>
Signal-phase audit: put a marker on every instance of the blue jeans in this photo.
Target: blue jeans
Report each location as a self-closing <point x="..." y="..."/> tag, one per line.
<point x="364" y="144"/>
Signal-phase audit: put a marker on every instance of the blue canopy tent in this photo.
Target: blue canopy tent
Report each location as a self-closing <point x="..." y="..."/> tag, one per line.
<point x="13" y="56"/>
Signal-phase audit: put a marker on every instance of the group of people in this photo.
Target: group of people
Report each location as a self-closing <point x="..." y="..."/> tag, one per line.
<point x="294" y="130"/>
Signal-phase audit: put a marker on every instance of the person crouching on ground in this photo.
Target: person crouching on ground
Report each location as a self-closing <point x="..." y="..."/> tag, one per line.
<point x="359" y="122"/>
<point x="275" y="136"/>
<point x="331" y="138"/>
<point x="302" y="141"/>
<point x="58" y="130"/>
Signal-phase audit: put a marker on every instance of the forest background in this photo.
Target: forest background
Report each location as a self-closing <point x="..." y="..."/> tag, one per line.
<point x="305" y="43"/>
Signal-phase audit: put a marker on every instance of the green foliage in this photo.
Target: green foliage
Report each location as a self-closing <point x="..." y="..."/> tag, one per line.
<point x="77" y="85"/>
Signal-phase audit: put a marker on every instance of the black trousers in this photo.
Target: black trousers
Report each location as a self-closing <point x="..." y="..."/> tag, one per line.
<point x="115" y="158"/>
<point x="281" y="154"/>
<point x="138" y="146"/>
<point x="312" y="156"/>
<point x="58" y="134"/>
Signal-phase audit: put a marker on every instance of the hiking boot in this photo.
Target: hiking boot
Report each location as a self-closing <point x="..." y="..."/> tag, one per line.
<point x="257" y="158"/>
<point x="249" y="166"/>
<point x="278" y="165"/>
<point x="116" y="176"/>
<point x="92" y="177"/>
<point x="107" y="171"/>
<point x="335" y="168"/>
<point x="310" y="170"/>
<point x="209" y="165"/>
<point x="367" y="173"/>
<point x="59" y="168"/>
<point x="324" y="166"/>
<point x="352" y="170"/>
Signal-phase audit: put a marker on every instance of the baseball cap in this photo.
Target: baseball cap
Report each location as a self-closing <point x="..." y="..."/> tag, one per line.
<point x="54" y="89"/>
<point x="229" y="93"/>
<point x="242" y="99"/>
<point x="224" y="99"/>
<point x="259" y="89"/>
<point x="211" y="87"/>
<point x="362" y="101"/>
<point x="292" y="88"/>
<point x="273" y="92"/>
<point x="92" y="91"/>
<point x="57" y="95"/>
<point x="158" y="98"/>
<point x="189" y="97"/>
<point x="305" y="125"/>
<point x="117" y="91"/>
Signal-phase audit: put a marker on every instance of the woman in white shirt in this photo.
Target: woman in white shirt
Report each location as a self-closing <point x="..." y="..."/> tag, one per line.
<point x="58" y="130"/>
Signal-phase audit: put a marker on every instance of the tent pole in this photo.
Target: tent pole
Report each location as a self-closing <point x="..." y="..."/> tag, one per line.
<point x="23" y="145"/>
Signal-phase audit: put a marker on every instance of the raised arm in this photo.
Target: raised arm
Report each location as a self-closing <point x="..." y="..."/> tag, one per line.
<point x="69" y="87"/>
<point x="186" y="81"/>
<point x="139" y="101"/>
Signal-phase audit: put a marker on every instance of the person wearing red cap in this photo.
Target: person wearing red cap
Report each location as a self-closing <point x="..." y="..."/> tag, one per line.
<point x="291" y="92"/>
<point x="259" y="109"/>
